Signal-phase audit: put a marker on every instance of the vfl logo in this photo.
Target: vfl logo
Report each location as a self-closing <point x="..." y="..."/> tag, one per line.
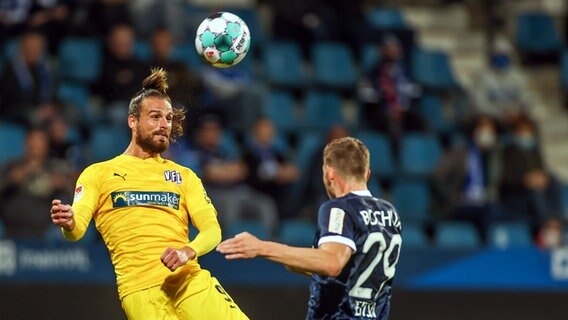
<point x="118" y="175"/>
<point x="145" y="198"/>
<point x="173" y="176"/>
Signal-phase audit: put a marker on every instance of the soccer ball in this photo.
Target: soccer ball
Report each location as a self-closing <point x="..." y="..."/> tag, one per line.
<point x="222" y="39"/>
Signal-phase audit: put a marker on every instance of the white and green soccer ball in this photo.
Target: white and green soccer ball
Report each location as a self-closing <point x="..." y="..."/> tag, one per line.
<point x="222" y="39"/>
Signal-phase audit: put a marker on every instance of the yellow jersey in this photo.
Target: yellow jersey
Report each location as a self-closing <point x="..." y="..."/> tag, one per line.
<point x="141" y="207"/>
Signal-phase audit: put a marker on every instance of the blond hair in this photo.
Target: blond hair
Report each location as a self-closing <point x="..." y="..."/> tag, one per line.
<point x="349" y="156"/>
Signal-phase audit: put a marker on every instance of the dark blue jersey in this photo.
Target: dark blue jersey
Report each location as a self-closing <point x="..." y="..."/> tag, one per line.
<point x="371" y="227"/>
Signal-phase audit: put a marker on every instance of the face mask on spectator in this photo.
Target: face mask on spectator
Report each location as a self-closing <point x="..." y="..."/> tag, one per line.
<point x="485" y="138"/>
<point x="500" y="61"/>
<point x="525" y="141"/>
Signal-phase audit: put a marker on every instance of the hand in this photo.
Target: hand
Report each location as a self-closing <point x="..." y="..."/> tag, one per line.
<point x="62" y="215"/>
<point x="175" y="258"/>
<point x="243" y="246"/>
<point x="536" y="180"/>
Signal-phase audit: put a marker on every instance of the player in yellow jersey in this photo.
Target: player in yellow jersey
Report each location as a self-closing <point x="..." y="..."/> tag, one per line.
<point x="142" y="205"/>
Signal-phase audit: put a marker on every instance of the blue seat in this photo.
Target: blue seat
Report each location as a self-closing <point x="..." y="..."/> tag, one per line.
<point x="254" y="227"/>
<point x="54" y="236"/>
<point x="297" y="233"/>
<point x="108" y="142"/>
<point x="185" y="52"/>
<point x="370" y="56"/>
<point x="374" y="186"/>
<point x="12" y="143"/>
<point x="413" y="236"/>
<point x="564" y="70"/>
<point x="510" y="234"/>
<point x="565" y="200"/>
<point x="2" y="230"/>
<point x="76" y="95"/>
<point x="334" y="65"/>
<point x="11" y="48"/>
<point x="419" y="154"/>
<point x="456" y="235"/>
<point x="252" y="20"/>
<point x="279" y="107"/>
<point x="142" y="50"/>
<point x="283" y="64"/>
<point x="536" y="33"/>
<point x="80" y="59"/>
<point x="309" y="145"/>
<point x="386" y="18"/>
<point x="432" y="69"/>
<point x="412" y="200"/>
<point x="432" y="110"/>
<point x="382" y="160"/>
<point x="323" y="109"/>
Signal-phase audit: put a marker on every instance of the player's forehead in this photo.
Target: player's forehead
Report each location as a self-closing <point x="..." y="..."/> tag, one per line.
<point x="156" y="104"/>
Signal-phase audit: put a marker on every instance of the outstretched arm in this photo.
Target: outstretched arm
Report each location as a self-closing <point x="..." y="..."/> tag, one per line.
<point x="327" y="260"/>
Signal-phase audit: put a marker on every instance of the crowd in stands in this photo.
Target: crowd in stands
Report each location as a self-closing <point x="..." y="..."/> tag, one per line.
<point x="255" y="132"/>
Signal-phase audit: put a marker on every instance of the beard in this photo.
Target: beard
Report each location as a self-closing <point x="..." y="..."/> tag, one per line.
<point x="148" y="144"/>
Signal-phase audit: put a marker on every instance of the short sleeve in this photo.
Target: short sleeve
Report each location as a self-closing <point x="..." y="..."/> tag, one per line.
<point x="335" y="225"/>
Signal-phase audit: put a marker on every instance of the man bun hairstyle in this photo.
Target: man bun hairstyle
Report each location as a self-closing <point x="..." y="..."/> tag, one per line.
<point x="349" y="156"/>
<point x="156" y="85"/>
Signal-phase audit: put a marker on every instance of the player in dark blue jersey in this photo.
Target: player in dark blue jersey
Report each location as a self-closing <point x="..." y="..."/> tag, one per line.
<point x="356" y="247"/>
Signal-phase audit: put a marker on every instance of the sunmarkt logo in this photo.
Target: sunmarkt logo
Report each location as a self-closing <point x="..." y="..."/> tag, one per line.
<point x="145" y="198"/>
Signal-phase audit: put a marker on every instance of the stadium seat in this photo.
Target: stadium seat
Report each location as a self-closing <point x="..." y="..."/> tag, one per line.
<point x="374" y="186"/>
<point x="432" y="69"/>
<point x="77" y="96"/>
<point x="432" y="110"/>
<point x="108" y="142"/>
<point x="80" y="59"/>
<point x="2" y="230"/>
<point x="11" y="48"/>
<point x="279" y="107"/>
<point x="283" y="64"/>
<point x="297" y="233"/>
<point x="456" y="235"/>
<point x="53" y="236"/>
<point x="254" y="227"/>
<point x="510" y="234"/>
<point x="536" y="33"/>
<point x="334" y="65"/>
<point x="565" y="200"/>
<point x="185" y="52"/>
<point x="413" y="236"/>
<point x="564" y="70"/>
<point x="142" y="50"/>
<point x="419" y="154"/>
<point x="251" y="18"/>
<point x="229" y="144"/>
<point x="412" y="200"/>
<point x="382" y="159"/>
<point x="309" y="144"/>
<point x="12" y="143"/>
<point x="386" y="18"/>
<point x="370" y="56"/>
<point x="323" y="109"/>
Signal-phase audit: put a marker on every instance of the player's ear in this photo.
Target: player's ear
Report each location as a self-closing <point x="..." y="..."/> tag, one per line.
<point x="132" y="121"/>
<point x="368" y="174"/>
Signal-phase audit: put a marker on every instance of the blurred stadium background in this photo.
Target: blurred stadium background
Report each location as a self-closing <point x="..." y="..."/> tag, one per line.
<point x="312" y="72"/>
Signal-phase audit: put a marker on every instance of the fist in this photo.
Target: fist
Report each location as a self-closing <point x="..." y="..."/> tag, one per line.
<point x="62" y="215"/>
<point x="175" y="258"/>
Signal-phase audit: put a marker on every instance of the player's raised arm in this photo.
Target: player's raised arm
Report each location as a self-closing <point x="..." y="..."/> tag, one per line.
<point x="327" y="260"/>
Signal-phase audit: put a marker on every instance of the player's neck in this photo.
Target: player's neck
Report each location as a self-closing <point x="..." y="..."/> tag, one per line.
<point x="347" y="187"/>
<point x="136" y="151"/>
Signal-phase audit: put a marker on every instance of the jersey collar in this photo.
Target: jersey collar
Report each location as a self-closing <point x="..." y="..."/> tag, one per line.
<point x="362" y="193"/>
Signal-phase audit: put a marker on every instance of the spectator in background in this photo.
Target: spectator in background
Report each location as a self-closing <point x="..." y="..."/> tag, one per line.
<point x="61" y="145"/>
<point x="465" y="183"/>
<point x="52" y="18"/>
<point x="224" y="176"/>
<point x="121" y="73"/>
<point x="27" y="187"/>
<point x="26" y="93"/>
<point x="104" y="15"/>
<point x="269" y="170"/>
<point x="315" y="194"/>
<point x="501" y="90"/>
<point x="528" y="190"/>
<point x="186" y="86"/>
<point x="387" y="94"/>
